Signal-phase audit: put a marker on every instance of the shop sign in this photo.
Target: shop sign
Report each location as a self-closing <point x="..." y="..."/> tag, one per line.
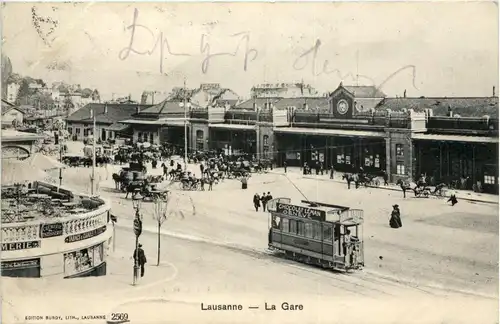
<point x="20" y="264"/>
<point x="86" y="235"/>
<point x="20" y="246"/>
<point x="300" y="211"/>
<point x="51" y="230"/>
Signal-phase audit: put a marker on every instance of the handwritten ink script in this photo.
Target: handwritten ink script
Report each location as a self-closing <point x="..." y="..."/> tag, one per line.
<point x="44" y="26"/>
<point x="161" y="44"/>
<point x="309" y="58"/>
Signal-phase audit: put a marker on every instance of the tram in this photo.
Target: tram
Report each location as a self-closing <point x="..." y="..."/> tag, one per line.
<point x="316" y="233"/>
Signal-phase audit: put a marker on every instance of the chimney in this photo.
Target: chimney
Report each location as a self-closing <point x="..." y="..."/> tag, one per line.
<point x="105" y="108"/>
<point x="137" y="109"/>
<point x="404" y="94"/>
<point x="254" y="106"/>
<point x="450" y="111"/>
<point x="91" y="113"/>
<point x="494" y="94"/>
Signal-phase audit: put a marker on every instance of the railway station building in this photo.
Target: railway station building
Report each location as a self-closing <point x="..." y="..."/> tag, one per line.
<point x="447" y="139"/>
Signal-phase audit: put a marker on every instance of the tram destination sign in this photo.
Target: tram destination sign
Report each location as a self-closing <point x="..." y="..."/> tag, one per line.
<point x="51" y="230"/>
<point x="300" y="211"/>
<point x="85" y="235"/>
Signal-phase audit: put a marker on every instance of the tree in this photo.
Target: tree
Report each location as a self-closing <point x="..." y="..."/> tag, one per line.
<point x="160" y="215"/>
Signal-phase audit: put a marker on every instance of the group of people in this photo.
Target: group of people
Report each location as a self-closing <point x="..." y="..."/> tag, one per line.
<point x="264" y="199"/>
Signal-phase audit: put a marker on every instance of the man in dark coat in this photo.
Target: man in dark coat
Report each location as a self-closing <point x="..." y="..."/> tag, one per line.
<point x="263" y="199"/>
<point x="395" y="221"/>
<point x="140" y="258"/>
<point x="285" y="165"/>
<point x="256" y="201"/>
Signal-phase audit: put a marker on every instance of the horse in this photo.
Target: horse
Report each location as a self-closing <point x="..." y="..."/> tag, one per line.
<point x="132" y="188"/>
<point x="116" y="177"/>
<point x="349" y="177"/>
<point x="407" y="185"/>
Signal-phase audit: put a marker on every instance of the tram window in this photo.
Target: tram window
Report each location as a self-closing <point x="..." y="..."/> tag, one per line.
<point x="336" y="234"/>
<point x="301" y="228"/>
<point x="327" y="232"/>
<point x="316" y="231"/>
<point x="293" y="226"/>
<point x="276" y="222"/>
<point x="284" y="226"/>
<point x="309" y="230"/>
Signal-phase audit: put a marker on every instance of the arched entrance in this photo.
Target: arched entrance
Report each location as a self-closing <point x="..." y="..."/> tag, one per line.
<point x="15" y="152"/>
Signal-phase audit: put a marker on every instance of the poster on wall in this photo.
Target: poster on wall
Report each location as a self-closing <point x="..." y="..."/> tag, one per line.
<point x="83" y="261"/>
<point x="51" y="230"/>
<point x="321" y="157"/>
<point x="347" y="159"/>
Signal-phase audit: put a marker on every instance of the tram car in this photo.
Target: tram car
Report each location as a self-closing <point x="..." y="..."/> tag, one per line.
<point x="316" y="233"/>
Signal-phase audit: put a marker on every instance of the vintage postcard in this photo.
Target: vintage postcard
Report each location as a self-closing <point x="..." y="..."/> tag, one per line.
<point x="249" y="162"/>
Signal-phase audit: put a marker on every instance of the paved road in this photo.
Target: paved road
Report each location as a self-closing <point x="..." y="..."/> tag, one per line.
<point x="192" y="273"/>
<point x="440" y="251"/>
<point x="439" y="245"/>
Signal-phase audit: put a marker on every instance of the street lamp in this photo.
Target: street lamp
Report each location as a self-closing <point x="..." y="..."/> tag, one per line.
<point x="136" y="203"/>
<point x="187" y="106"/>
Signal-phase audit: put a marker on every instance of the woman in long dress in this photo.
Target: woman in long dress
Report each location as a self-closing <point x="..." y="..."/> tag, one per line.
<point x="395" y="221"/>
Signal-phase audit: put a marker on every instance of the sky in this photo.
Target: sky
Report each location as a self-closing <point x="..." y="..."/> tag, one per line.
<point x="428" y="49"/>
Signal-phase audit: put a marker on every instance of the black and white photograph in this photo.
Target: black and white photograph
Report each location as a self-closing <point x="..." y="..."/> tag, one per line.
<point x="250" y="162"/>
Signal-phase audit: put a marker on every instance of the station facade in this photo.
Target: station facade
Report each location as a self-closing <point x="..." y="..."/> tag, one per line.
<point x="447" y="139"/>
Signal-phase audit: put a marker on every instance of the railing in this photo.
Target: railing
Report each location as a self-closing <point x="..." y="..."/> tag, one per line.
<point x="241" y="115"/>
<point x="74" y="224"/>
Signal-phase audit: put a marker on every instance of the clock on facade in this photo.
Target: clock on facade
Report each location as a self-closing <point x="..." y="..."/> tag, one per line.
<point x="342" y="106"/>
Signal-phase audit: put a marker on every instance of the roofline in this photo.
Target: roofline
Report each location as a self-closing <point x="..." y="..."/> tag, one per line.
<point x="490" y="97"/>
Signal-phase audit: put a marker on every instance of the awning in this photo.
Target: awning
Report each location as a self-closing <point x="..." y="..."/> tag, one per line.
<point x="117" y="127"/>
<point x="233" y="126"/>
<point x="455" y="138"/>
<point x="337" y="132"/>
<point x="159" y="122"/>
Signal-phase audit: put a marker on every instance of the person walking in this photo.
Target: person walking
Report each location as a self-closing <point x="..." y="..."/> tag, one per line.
<point x="385" y="177"/>
<point x="263" y="199"/>
<point x="284" y="165"/>
<point x="395" y="221"/>
<point x="332" y="172"/>
<point x="140" y="258"/>
<point x="256" y="202"/>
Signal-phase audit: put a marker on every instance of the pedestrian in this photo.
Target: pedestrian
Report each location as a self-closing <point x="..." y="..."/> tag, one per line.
<point x="244" y="183"/>
<point x="332" y="171"/>
<point x="263" y="198"/>
<point x="202" y="167"/>
<point x="453" y="198"/>
<point x="165" y="170"/>
<point x="210" y="182"/>
<point x="172" y="163"/>
<point x="256" y="202"/>
<point x="395" y="221"/>
<point x="202" y="182"/>
<point x="322" y="166"/>
<point x="140" y="258"/>
<point x="385" y="177"/>
<point x="268" y="197"/>
<point x="285" y="165"/>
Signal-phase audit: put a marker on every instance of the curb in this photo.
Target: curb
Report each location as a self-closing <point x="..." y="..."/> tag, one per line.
<point x="387" y="188"/>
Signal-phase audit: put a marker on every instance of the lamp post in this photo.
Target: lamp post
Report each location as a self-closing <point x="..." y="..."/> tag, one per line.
<point x="92" y="177"/>
<point x="186" y="105"/>
<point x="137" y="231"/>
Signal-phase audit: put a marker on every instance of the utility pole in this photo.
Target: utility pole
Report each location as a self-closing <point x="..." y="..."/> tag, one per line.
<point x="92" y="177"/>
<point x="185" y="128"/>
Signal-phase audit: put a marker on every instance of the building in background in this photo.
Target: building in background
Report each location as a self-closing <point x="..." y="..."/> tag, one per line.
<point x="108" y="117"/>
<point x="12" y="115"/>
<point x="283" y="90"/>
